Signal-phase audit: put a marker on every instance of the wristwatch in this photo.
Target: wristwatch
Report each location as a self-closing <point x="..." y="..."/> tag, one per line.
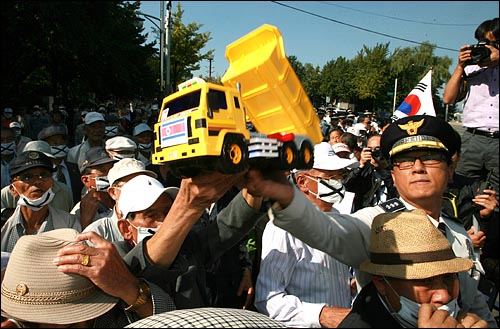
<point x="144" y="296"/>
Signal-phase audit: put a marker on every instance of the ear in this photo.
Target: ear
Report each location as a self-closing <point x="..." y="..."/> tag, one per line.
<point x="125" y="229"/>
<point x="85" y="179"/>
<point x="113" y="193"/>
<point x="13" y="190"/>
<point x="302" y="183"/>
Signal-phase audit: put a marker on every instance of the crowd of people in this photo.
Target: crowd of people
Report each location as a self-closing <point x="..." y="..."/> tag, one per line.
<point x="387" y="229"/>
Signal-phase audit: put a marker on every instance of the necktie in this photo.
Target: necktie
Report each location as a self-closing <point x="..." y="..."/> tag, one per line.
<point x="60" y="174"/>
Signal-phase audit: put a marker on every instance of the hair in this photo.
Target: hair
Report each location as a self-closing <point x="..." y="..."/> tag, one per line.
<point x="490" y="25"/>
<point x="350" y="140"/>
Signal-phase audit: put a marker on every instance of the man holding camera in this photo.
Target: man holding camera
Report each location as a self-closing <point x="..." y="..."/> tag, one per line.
<point x="475" y="80"/>
<point x="371" y="181"/>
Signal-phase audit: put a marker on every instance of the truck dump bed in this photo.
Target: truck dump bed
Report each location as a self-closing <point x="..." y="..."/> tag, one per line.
<point x="274" y="99"/>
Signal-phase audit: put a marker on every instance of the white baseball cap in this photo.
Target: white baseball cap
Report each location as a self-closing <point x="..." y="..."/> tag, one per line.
<point x="340" y="147"/>
<point x="326" y="159"/>
<point x="141" y="192"/>
<point x="128" y="166"/>
<point x="15" y="124"/>
<point x="140" y="128"/>
<point x="92" y="117"/>
<point x="120" y="143"/>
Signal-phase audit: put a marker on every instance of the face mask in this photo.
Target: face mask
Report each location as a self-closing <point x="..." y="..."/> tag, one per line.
<point x="144" y="147"/>
<point x="143" y="232"/>
<point x="101" y="183"/>
<point x="331" y="191"/>
<point x="7" y="115"/>
<point x="7" y="148"/>
<point x="39" y="203"/>
<point x="111" y="131"/>
<point x="119" y="156"/>
<point x="37" y="113"/>
<point x="59" y="151"/>
<point x="408" y="314"/>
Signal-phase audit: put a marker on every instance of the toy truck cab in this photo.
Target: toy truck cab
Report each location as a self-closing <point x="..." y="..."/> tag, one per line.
<point x="202" y="125"/>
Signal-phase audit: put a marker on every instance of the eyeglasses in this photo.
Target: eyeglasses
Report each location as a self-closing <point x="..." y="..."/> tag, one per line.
<point x="429" y="160"/>
<point x="30" y="178"/>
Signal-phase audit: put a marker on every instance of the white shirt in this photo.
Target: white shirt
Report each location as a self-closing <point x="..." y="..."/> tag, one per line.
<point x="295" y="281"/>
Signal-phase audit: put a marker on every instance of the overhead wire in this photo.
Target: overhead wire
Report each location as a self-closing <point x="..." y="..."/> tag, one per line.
<point x="395" y="18"/>
<point x="358" y="27"/>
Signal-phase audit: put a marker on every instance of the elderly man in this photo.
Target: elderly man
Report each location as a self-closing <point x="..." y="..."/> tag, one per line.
<point x="419" y="149"/>
<point x="414" y="277"/>
<point x="96" y="203"/>
<point x="121" y="172"/>
<point x="94" y="130"/>
<point x="62" y="194"/>
<point x="32" y="181"/>
<point x="56" y="135"/>
<point x="298" y="285"/>
<point x="121" y="147"/>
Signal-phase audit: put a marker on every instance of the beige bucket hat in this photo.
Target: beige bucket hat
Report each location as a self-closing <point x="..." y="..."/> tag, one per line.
<point x="406" y="245"/>
<point x="34" y="290"/>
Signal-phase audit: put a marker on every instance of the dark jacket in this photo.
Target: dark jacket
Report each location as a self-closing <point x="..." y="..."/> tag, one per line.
<point x="185" y="279"/>
<point x="368" y="311"/>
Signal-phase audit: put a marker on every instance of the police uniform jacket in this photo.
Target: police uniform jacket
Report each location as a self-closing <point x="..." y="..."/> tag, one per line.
<point x="347" y="238"/>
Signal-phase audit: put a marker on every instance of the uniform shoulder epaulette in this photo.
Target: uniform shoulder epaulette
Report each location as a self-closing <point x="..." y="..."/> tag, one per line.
<point x="392" y="205"/>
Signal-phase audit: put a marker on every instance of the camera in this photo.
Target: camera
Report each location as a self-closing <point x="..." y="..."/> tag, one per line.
<point x="377" y="154"/>
<point x="479" y="52"/>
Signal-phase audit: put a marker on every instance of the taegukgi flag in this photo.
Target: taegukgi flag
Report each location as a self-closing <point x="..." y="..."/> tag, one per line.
<point x="419" y="101"/>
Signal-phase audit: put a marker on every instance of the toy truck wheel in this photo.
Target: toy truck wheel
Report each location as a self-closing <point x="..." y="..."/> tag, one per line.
<point x="288" y="155"/>
<point x="306" y="157"/>
<point x="234" y="155"/>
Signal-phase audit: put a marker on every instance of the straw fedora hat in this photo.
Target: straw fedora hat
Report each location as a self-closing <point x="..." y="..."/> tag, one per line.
<point x="406" y="245"/>
<point x="34" y="290"/>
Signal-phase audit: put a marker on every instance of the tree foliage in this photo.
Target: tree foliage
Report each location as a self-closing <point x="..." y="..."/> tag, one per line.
<point x="95" y="50"/>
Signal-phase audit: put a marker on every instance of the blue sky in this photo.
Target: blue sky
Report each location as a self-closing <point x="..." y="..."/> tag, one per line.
<point x="318" y="31"/>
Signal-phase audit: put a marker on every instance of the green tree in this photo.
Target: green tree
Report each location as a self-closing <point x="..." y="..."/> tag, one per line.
<point x="70" y="49"/>
<point x="186" y="46"/>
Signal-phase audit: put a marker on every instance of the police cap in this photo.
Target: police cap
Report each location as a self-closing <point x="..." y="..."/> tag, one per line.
<point x="419" y="132"/>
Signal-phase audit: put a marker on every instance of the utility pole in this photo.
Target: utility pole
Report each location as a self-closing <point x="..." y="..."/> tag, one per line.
<point x="168" y="36"/>
<point x="162" y="45"/>
<point x="210" y="59"/>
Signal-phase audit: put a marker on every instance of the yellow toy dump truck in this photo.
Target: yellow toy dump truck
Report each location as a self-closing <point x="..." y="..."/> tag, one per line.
<point x="203" y="126"/>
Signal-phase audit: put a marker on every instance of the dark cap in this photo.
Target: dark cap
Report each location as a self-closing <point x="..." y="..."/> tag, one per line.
<point x="95" y="156"/>
<point x="53" y="129"/>
<point x="28" y="160"/>
<point x="418" y="132"/>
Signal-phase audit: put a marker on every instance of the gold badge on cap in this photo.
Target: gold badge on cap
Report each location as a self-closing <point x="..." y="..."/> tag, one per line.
<point x="84" y="163"/>
<point x="412" y="127"/>
<point x="33" y="155"/>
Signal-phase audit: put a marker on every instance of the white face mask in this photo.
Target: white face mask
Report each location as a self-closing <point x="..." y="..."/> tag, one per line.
<point x="118" y="156"/>
<point x="36" y="204"/>
<point x="111" y="131"/>
<point x="408" y="314"/>
<point x="59" y="151"/>
<point x="8" y="148"/>
<point x="143" y="232"/>
<point x="144" y="147"/>
<point x="331" y="190"/>
<point x="101" y="183"/>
